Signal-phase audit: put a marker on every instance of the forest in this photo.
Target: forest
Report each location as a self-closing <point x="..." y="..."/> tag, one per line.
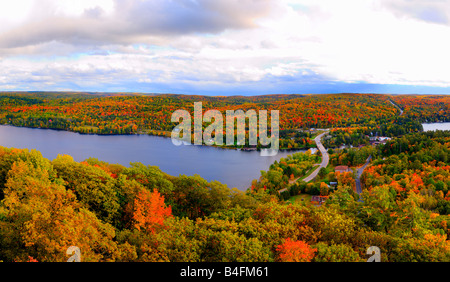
<point x="139" y="213"/>
<point x="405" y="196"/>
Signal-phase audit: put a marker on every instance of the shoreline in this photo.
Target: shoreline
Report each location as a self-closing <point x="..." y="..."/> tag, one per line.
<point x="245" y="149"/>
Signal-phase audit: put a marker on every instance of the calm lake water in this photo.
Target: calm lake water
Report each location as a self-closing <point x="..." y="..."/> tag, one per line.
<point x="232" y="167"/>
<point x="436" y="126"/>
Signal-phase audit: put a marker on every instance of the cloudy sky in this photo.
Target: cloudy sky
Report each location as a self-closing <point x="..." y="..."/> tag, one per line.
<point x="226" y="47"/>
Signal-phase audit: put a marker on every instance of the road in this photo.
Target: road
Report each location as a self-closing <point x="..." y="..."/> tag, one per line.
<point x="358" y="175"/>
<point x="325" y="157"/>
<point x="324" y="163"/>
<point x="395" y="105"/>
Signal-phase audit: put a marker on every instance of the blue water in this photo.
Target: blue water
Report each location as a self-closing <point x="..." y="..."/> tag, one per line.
<point x="232" y="167"/>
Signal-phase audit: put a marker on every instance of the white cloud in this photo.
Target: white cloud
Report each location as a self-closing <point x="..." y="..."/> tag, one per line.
<point x="224" y="42"/>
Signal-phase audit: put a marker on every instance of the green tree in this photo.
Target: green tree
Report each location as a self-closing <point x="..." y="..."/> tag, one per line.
<point x="94" y="187"/>
<point x="378" y="205"/>
<point x="151" y="177"/>
<point x="335" y="253"/>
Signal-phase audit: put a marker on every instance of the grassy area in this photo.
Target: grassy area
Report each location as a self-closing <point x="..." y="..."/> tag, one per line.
<point x="298" y="199"/>
<point x="330" y="168"/>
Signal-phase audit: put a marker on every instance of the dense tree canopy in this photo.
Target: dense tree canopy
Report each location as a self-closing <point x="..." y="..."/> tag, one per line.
<point x="139" y="213"/>
<point x="366" y="114"/>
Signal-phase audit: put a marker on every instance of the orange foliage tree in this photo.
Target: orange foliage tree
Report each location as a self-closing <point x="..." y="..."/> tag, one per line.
<point x="295" y="251"/>
<point x="149" y="210"/>
<point x="346" y="179"/>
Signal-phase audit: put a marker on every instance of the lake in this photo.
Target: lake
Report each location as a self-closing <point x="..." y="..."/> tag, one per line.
<point x="436" y="126"/>
<point x="232" y="167"/>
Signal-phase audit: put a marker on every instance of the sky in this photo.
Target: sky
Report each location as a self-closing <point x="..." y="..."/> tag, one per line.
<point x="226" y="47"/>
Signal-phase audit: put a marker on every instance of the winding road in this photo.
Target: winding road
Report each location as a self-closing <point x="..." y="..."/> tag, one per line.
<point x="324" y="163"/>
<point x="325" y="157"/>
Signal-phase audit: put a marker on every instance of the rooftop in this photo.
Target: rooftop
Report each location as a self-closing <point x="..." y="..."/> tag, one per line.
<point x="341" y="167"/>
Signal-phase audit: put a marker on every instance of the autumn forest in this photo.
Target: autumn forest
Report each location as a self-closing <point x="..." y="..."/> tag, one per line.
<point x="139" y="213"/>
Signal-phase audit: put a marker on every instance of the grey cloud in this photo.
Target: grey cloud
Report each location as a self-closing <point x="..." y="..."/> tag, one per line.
<point x="135" y="21"/>
<point x="204" y="16"/>
<point x="72" y="31"/>
<point x="95" y="12"/>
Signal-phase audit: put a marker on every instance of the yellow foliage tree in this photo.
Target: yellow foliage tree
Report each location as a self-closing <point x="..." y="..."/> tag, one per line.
<point x="41" y="219"/>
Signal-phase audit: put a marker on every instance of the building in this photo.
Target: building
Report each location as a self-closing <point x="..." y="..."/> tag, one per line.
<point x="379" y="140"/>
<point x="318" y="200"/>
<point x="342" y="169"/>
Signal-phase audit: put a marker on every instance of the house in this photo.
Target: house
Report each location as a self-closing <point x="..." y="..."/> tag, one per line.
<point x="379" y="140"/>
<point x="318" y="200"/>
<point x="342" y="169"/>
